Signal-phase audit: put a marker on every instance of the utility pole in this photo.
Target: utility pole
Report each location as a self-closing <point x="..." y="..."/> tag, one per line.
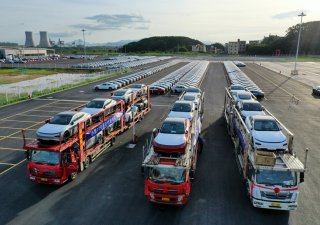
<point x="295" y="71"/>
<point x="84" y="44"/>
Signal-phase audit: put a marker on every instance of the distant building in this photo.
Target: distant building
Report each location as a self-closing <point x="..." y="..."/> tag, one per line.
<point x="213" y="49"/>
<point x="199" y="48"/>
<point x="22" y="52"/>
<point x="235" y="47"/>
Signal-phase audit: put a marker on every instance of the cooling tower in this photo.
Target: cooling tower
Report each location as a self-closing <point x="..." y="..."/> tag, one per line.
<point x="29" y="39"/>
<point x="44" y="41"/>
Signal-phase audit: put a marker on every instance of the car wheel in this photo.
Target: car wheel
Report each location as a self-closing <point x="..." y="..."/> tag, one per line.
<point x="96" y="88"/>
<point x="66" y="136"/>
<point x="73" y="175"/>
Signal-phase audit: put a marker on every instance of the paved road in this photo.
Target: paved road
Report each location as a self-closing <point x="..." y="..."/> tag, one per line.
<point x="111" y="190"/>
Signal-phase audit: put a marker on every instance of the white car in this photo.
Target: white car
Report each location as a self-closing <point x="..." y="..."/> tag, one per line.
<point x="139" y="88"/>
<point x="242" y="95"/>
<point x="266" y="133"/>
<point x="123" y="94"/>
<point x="193" y="97"/>
<point x="62" y="126"/>
<point x="130" y="113"/>
<point x="250" y="108"/>
<point x="182" y="109"/>
<point x="106" y="86"/>
<point x="172" y="135"/>
<point x="97" y="105"/>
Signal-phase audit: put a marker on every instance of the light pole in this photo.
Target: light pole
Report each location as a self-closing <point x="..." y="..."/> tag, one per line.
<point x="295" y="71"/>
<point x="84" y="44"/>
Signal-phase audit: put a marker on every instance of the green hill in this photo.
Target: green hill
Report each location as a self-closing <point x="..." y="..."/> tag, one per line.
<point x="165" y="43"/>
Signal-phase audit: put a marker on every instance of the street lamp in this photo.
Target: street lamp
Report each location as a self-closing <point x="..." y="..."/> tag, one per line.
<point x="295" y="71"/>
<point x="84" y="44"/>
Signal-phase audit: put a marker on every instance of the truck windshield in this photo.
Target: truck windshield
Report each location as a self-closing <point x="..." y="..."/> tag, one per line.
<point x="45" y="157"/>
<point x="167" y="174"/>
<point x="271" y="177"/>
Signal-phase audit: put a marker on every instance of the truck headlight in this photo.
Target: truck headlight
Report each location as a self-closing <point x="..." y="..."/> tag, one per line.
<point x="151" y="195"/>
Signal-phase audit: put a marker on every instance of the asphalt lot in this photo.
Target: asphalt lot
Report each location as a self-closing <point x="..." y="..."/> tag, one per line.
<point x="111" y="190"/>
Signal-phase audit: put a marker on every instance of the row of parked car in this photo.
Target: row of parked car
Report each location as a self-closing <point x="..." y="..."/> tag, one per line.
<point x="237" y="77"/>
<point x="265" y="130"/>
<point x="29" y="60"/>
<point x="188" y="76"/>
<point x="126" y="80"/>
<point x="120" y="61"/>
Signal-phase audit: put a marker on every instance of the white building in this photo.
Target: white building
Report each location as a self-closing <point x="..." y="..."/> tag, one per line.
<point x="199" y="48"/>
<point x="21" y="52"/>
<point x="236" y="47"/>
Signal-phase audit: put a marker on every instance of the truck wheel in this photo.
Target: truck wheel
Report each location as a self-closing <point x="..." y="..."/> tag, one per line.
<point x="86" y="163"/>
<point x="73" y="175"/>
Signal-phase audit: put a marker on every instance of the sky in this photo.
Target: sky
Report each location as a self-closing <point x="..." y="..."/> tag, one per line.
<point x="108" y="21"/>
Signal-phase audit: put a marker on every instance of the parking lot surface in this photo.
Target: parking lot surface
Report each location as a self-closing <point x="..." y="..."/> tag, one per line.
<point x="111" y="190"/>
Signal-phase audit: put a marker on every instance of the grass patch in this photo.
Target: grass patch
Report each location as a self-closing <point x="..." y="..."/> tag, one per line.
<point x="12" y="98"/>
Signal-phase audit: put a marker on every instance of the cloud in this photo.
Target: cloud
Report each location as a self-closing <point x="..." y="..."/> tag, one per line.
<point x="114" y="22"/>
<point x="62" y="34"/>
<point x="287" y="15"/>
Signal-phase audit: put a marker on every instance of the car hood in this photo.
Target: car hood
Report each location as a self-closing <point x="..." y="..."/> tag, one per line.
<point x="187" y="115"/>
<point x="91" y="111"/>
<point x="269" y="136"/>
<point x="170" y="139"/>
<point x="52" y="128"/>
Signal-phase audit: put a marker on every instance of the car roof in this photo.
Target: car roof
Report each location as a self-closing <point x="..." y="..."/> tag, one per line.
<point x="68" y="113"/>
<point x="101" y="99"/>
<point x="173" y="119"/>
<point x="262" y="117"/>
<point x="250" y="101"/>
<point x="183" y="102"/>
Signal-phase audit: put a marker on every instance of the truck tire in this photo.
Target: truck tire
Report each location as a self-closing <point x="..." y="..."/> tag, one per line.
<point x="86" y="163"/>
<point x="73" y="175"/>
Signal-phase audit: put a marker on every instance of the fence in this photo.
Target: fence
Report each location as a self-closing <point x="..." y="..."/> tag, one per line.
<point x="48" y="84"/>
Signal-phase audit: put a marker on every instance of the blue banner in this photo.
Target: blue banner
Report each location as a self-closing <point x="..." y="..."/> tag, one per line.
<point x="104" y="125"/>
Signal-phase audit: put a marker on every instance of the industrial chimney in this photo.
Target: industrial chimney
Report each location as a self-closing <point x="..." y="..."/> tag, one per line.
<point x="29" y="39"/>
<point x="44" y="41"/>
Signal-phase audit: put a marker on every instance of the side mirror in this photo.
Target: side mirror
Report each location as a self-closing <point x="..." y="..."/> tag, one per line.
<point x="27" y="153"/>
<point x="72" y="123"/>
<point x="301" y="177"/>
<point x="47" y="121"/>
<point x="263" y="108"/>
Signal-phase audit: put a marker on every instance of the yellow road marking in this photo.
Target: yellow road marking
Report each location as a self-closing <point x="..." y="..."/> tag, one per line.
<point x="26" y="111"/>
<point x="20" y="131"/>
<point x="12" y="149"/>
<point x="9" y="136"/>
<point x="15" y="128"/>
<point x="39" y="110"/>
<point x="33" y="115"/>
<point x="3" y="172"/>
<point x="7" y="164"/>
<point x="23" y="121"/>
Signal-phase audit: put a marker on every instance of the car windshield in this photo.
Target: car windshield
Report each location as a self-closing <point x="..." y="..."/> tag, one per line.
<point x="244" y="96"/>
<point x="271" y="177"/>
<point x="266" y="125"/>
<point x="61" y="119"/>
<point x="189" y="97"/>
<point x="44" y="157"/>
<point x="180" y="107"/>
<point x="95" y="104"/>
<point x="251" y="107"/>
<point x="135" y="86"/>
<point x="172" y="128"/>
<point x="237" y="88"/>
<point x="119" y="93"/>
<point x="173" y="175"/>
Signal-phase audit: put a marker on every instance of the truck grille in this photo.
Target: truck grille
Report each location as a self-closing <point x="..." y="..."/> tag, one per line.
<point x="161" y="191"/>
<point x="272" y="195"/>
<point x="49" y="173"/>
